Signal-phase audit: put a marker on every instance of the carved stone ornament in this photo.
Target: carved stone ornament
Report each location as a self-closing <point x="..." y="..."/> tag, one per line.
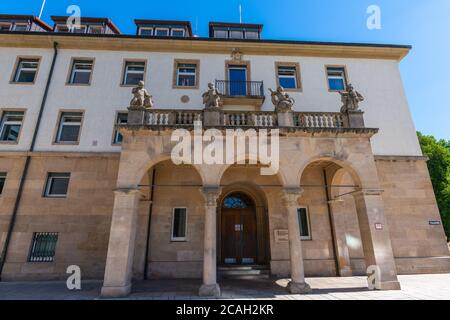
<point x="350" y="99"/>
<point x="281" y="100"/>
<point x="236" y="54"/>
<point x="211" y="195"/>
<point x="211" y="98"/>
<point x="141" y="98"/>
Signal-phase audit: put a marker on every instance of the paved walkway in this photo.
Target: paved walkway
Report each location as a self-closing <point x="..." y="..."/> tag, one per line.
<point x="414" y="287"/>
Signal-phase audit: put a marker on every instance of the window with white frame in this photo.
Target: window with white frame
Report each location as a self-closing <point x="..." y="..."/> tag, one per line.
<point x="81" y="29"/>
<point x="237" y="34"/>
<point x="161" y="32"/>
<point x="2" y="181"/>
<point x="249" y="34"/>
<point x="133" y="72"/>
<point x="147" y="32"/>
<point x="81" y="72"/>
<point x="221" y="34"/>
<point x="43" y="247"/>
<point x="177" y="32"/>
<point x="10" y="125"/>
<point x="303" y="220"/>
<point x="96" y="29"/>
<point x="26" y="70"/>
<point x="179" y="224"/>
<point x="287" y="77"/>
<point x="336" y="78"/>
<point x="186" y="74"/>
<point x="57" y="185"/>
<point x="122" y="118"/>
<point x="69" y="127"/>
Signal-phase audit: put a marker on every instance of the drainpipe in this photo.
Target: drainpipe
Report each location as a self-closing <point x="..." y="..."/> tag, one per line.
<point x="149" y="224"/>
<point x="27" y="163"/>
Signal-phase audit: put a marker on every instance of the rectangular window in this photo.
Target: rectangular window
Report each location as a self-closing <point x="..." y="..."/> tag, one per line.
<point x="62" y="28"/>
<point x="186" y="74"/>
<point x="43" y="247"/>
<point x="303" y="220"/>
<point x="57" y="185"/>
<point x="21" y="27"/>
<point x="251" y="35"/>
<point x="336" y="78"/>
<point x="5" y="27"/>
<point x="95" y="29"/>
<point x="11" y="123"/>
<point x="81" y="72"/>
<point x="133" y="73"/>
<point x="122" y="118"/>
<point x="69" y="127"/>
<point x="161" y="32"/>
<point x="148" y="32"/>
<point x="81" y="29"/>
<point x="177" y="33"/>
<point x="288" y="77"/>
<point x="237" y="34"/>
<point x="179" y="224"/>
<point x="221" y="34"/>
<point x="2" y="181"/>
<point x="26" y="70"/>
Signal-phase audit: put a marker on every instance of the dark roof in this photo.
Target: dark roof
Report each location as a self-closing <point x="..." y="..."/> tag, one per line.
<point x="106" y="21"/>
<point x="186" y="24"/>
<point x="32" y="18"/>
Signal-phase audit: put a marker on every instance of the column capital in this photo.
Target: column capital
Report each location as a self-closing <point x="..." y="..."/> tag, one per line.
<point x="291" y="195"/>
<point x="211" y="194"/>
<point x="126" y="191"/>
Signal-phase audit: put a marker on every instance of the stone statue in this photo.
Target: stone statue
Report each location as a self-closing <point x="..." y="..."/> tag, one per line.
<point x="141" y="98"/>
<point x="211" y="98"/>
<point x="281" y="100"/>
<point x="350" y="99"/>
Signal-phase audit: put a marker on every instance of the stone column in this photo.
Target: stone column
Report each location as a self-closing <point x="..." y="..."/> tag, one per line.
<point x="337" y="213"/>
<point x="119" y="261"/>
<point x="210" y="286"/>
<point x="376" y="239"/>
<point x="297" y="284"/>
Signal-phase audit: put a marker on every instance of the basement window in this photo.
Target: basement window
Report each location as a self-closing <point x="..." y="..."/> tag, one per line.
<point x="43" y="247"/>
<point x="179" y="224"/>
<point x="57" y="185"/>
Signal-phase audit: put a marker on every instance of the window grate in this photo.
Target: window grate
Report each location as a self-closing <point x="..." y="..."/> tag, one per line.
<point x="43" y="247"/>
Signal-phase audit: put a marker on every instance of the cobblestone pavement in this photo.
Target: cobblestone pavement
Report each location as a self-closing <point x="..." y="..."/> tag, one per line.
<point x="414" y="287"/>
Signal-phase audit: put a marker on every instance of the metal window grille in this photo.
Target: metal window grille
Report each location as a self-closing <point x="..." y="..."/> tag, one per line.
<point x="43" y="247"/>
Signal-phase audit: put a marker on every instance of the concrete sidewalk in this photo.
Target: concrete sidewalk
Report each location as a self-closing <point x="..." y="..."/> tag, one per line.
<point x="414" y="287"/>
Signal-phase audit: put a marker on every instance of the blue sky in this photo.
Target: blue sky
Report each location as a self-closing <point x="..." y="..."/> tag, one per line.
<point x="424" y="24"/>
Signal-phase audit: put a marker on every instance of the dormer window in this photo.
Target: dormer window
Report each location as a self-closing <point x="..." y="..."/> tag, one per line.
<point x="221" y="34"/>
<point x="237" y="34"/>
<point x="222" y="30"/>
<point x="146" y="32"/>
<point x="161" y="32"/>
<point x="249" y="34"/>
<point x="81" y="29"/>
<point x="20" y="27"/>
<point x="62" y="28"/>
<point x="5" y="26"/>
<point x="95" y="29"/>
<point x="177" y="33"/>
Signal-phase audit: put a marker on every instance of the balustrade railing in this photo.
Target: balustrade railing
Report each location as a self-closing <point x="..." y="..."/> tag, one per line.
<point x="249" y="118"/>
<point x="319" y="119"/>
<point x="172" y="117"/>
<point x="229" y="88"/>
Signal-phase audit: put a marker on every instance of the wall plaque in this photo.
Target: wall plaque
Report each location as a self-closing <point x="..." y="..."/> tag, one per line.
<point x="379" y="226"/>
<point x="281" y="235"/>
<point x="434" y="223"/>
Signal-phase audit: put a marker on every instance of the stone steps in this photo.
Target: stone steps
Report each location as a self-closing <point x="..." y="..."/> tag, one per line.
<point x="243" y="272"/>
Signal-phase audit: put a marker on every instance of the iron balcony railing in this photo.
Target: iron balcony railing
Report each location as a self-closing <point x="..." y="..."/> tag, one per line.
<point x="250" y="89"/>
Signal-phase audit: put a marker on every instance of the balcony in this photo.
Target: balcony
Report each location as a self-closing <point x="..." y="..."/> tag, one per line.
<point x="241" y="92"/>
<point x="310" y="123"/>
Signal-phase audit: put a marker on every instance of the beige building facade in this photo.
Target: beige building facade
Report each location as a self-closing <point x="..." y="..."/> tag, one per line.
<point x="83" y="188"/>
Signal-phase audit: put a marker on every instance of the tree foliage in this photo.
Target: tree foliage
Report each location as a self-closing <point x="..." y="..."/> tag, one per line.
<point x="438" y="151"/>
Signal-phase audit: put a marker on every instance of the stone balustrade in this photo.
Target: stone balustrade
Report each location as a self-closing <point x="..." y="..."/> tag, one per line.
<point x="226" y="118"/>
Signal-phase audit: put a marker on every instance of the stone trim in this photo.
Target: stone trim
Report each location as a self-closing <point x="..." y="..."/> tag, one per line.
<point x="400" y="158"/>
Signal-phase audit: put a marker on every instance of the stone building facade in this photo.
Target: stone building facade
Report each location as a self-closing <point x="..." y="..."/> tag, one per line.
<point x="86" y="182"/>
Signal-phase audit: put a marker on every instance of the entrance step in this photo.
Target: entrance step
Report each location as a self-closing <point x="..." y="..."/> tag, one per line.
<point x="243" y="272"/>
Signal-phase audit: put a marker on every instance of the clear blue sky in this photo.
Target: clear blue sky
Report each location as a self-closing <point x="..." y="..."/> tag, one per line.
<point x="425" y="24"/>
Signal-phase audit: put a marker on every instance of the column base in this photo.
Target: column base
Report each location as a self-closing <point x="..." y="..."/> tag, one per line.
<point x="115" y="292"/>
<point x="209" y="290"/>
<point x="346" y="272"/>
<point x="388" y="285"/>
<point x="298" y="288"/>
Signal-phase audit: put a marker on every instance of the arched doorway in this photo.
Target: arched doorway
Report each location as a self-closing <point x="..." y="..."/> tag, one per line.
<point x="239" y="240"/>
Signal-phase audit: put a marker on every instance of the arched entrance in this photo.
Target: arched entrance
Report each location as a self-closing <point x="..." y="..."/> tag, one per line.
<point x="239" y="242"/>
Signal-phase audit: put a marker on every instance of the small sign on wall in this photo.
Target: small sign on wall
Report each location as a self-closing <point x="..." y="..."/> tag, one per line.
<point x="281" y="235"/>
<point x="434" y="223"/>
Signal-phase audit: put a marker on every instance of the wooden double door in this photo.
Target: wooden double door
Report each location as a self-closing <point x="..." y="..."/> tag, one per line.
<point x="239" y="236"/>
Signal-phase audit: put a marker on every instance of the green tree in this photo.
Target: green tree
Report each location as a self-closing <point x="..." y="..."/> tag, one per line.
<point x="439" y="167"/>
